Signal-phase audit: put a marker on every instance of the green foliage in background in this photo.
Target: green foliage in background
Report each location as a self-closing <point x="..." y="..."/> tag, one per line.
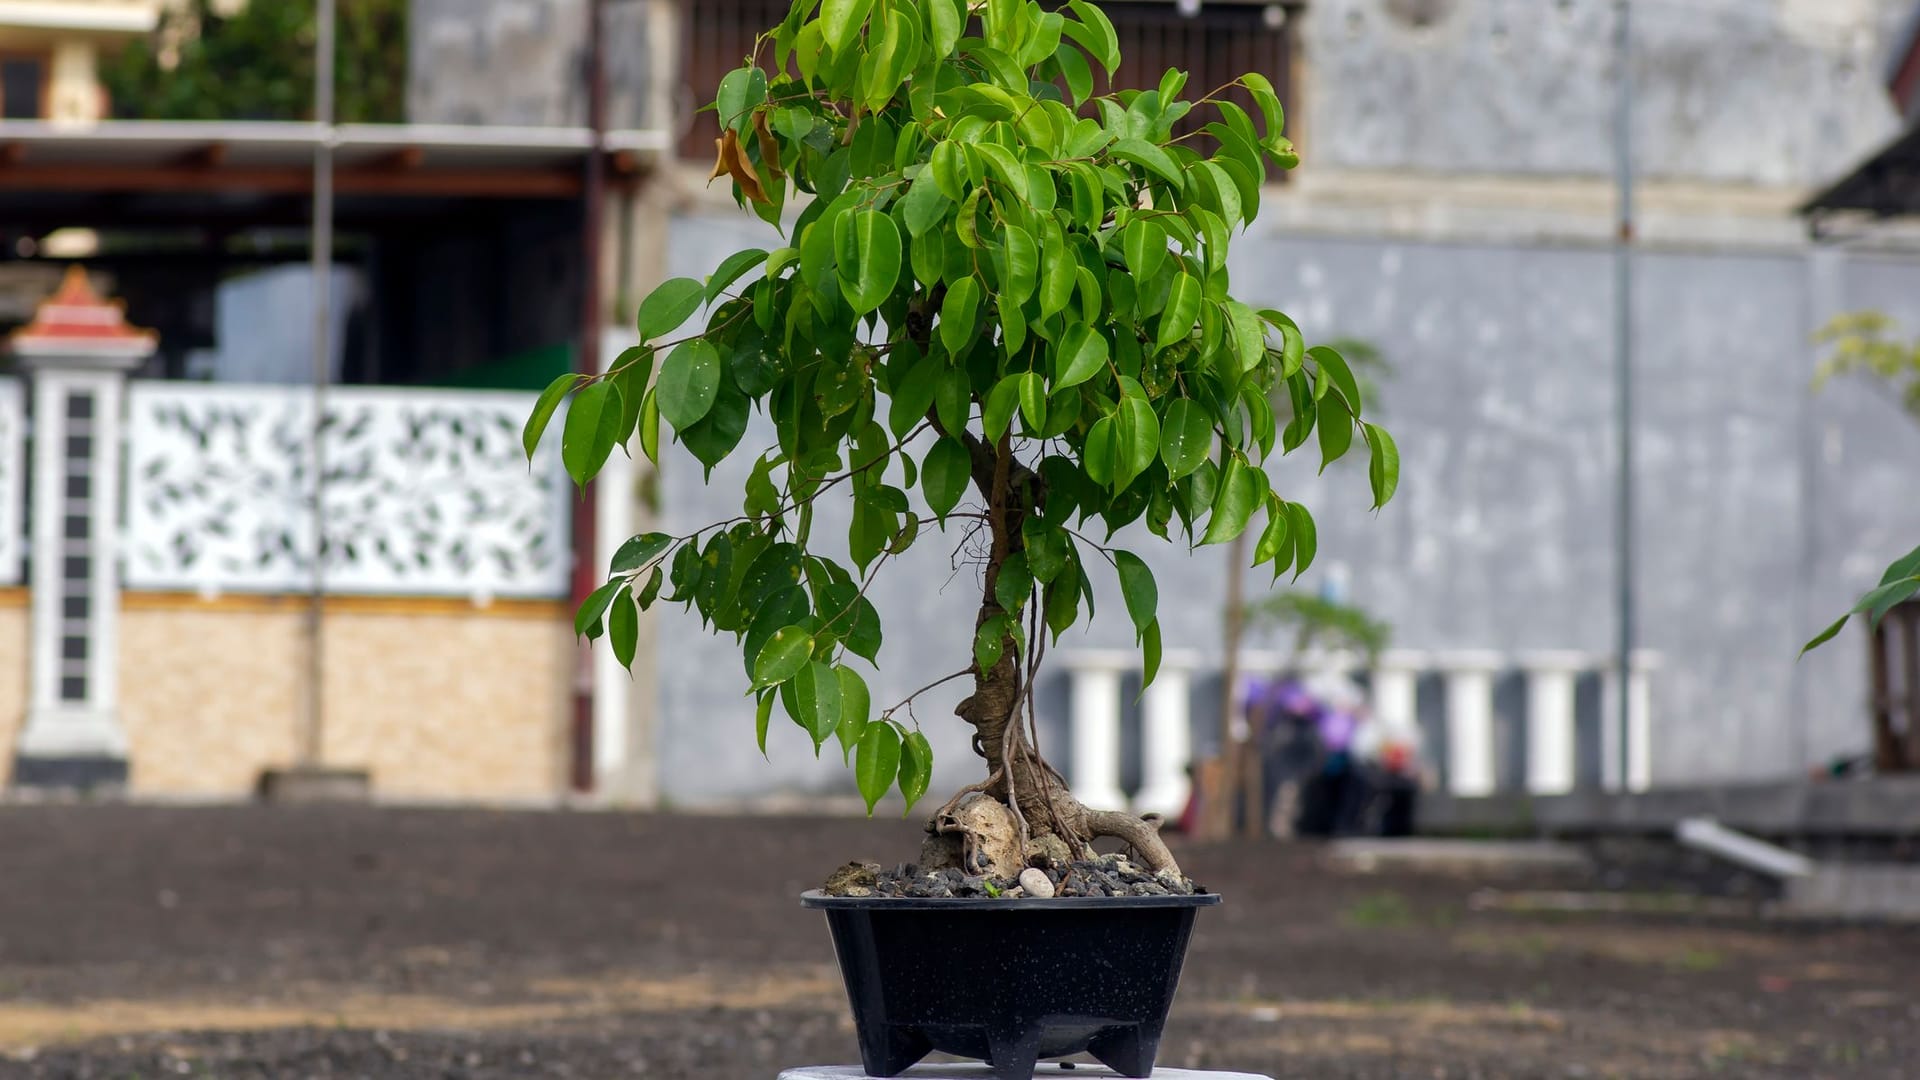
<point x="999" y="283"/>
<point x="1316" y="621"/>
<point x="258" y="64"/>
<point x="1862" y="345"/>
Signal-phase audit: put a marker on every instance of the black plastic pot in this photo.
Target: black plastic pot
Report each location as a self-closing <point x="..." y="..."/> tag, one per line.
<point x="1010" y="981"/>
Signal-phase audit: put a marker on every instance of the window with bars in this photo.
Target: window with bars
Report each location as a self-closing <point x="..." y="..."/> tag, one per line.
<point x="1216" y="44"/>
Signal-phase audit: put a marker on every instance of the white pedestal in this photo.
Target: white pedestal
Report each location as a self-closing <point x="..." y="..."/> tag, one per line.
<point x="1470" y="760"/>
<point x="1166" y="738"/>
<point x="976" y="1071"/>
<point x="1093" y="761"/>
<point x="1551" y="680"/>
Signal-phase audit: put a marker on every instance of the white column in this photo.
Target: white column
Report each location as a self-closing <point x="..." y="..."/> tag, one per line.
<point x="1639" y="740"/>
<point x="1551" y="676"/>
<point x="1396" y="681"/>
<point x="1093" y="760"/>
<point x="1470" y="760"/>
<point x="1640" y="719"/>
<point x="1166" y="737"/>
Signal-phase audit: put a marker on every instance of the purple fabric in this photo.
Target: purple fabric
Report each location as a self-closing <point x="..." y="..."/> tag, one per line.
<point x="1337" y="728"/>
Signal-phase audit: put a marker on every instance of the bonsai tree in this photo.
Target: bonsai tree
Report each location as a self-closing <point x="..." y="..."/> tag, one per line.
<point x="1003" y="317"/>
<point x="1862" y="345"/>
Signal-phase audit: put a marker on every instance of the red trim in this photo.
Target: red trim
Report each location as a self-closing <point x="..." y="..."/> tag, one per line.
<point x="1905" y="83"/>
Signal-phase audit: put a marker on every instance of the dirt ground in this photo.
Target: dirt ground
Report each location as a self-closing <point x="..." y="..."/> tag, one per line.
<point x="142" y="942"/>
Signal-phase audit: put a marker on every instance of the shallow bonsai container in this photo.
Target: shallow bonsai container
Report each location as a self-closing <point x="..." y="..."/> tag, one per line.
<point x="1010" y="982"/>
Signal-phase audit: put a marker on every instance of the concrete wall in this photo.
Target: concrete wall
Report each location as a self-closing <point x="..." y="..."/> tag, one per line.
<point x="1732" y="91"/>
<point x="1763" y="509"/>
<point x="519" y="62"/>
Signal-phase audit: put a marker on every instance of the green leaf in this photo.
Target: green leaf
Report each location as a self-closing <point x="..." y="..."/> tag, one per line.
<point x="1136" y="440"/>
<point x="916" y="754"/>
<point x="670" y="304"/>
<point x="840" y="22"/>
<point x="1905" y="566"/>
<point x="592" y="428"/>
<point x="956" y="313"/>
<point x="638" y="551"/>
<point x="1137" y="588"/>
<point x="1033" y="400"/>
<point x="586" y="619"/>
<point x="1015" y="583"/>
<point x="623" y="630"/>
<point x="762" y="719"/>
<point x="924" y="205"/>
<point x="868" y="245"/>
<point x="1249" y="340"/>
<point x="1268" y="101"/>
<point x="1098" y="453"/>
<point x="1081" y="355"/>
<point x="989" y="641"/>
<point x="715" y="435"/>
<point x="1305" y="540"/>
<point x="1151" y="157"/>
<point x="1824" y="636"/>
<point x="1383" y="471"/>
<point x="816" y="691"/>
<point x="998" y="411"/>
<point x="1021" y="263"/>
<point x="1333" y="366"/>
<point x="1149" y="653"/>
<point x="543" y="411"/>
<point x="1183" y="307"/>
<point x="1233" y="502"/>
<point x="731" y="270"/>
<point x="945" y="18"/>
<point x="876" y="762"/>
<point x="944" y="475"/>
<point x="741" y="89"/>
<point x="1876" y="603"/>
<point x="782" y="657"/>
<point x="1073" y="68"/>
<point x="1186" y="437"/>
<point x="649" y="425"/>
<point x="856" y="705"/>
<point x="1094" y="33"/>
<point x="1145" y="244"/>
<point x="1336" y="432"/>
<point x="689" y="379"/>
<point x="651" y="590"/>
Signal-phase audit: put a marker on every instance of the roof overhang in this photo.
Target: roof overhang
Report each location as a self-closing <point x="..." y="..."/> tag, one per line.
<point x="275" y="157"/>
<point x="1885" y="185"/>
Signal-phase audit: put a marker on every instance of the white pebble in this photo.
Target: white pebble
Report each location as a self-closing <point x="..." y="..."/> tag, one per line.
<point x="1036" y="883"/>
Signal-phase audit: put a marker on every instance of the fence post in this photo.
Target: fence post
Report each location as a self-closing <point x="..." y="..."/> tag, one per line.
<point x="1470" y="755"/>
<point x="1551" y="674"/>
<point x="78" y="350"/>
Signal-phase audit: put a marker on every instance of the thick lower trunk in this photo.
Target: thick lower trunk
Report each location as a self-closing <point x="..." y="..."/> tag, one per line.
<point x="1000" y="709"/>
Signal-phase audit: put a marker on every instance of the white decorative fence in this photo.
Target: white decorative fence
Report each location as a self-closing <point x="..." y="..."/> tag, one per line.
<point x="13" y="472"/>
<point x="427" y="492"/>
<point x="1468" y="679"/>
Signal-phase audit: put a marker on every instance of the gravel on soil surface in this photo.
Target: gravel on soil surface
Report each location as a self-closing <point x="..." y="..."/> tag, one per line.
<point x="147" y="942"/>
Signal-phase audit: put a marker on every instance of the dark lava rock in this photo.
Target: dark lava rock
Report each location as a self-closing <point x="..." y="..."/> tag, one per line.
<point x="1106" y="875"/>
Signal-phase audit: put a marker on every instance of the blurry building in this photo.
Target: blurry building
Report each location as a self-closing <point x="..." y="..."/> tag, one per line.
<point x="1455" y="209"/>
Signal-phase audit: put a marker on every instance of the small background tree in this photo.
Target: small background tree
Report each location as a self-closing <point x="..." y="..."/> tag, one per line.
<point x="257" y="64"/>
<point x="1001" y="285"/>
<point x="1863" y="345"/>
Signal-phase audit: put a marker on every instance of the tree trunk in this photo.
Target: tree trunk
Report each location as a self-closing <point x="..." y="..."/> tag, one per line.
<point x="1034" y="793"/>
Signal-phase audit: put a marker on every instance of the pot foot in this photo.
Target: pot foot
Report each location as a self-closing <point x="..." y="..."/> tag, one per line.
<point x="890" y="1050"/>
<point x="1012" y="1060"/>
<point x="1128" y="1050"/>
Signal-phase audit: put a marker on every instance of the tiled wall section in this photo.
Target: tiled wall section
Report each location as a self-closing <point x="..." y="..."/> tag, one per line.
<point x="434" y="701"/>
